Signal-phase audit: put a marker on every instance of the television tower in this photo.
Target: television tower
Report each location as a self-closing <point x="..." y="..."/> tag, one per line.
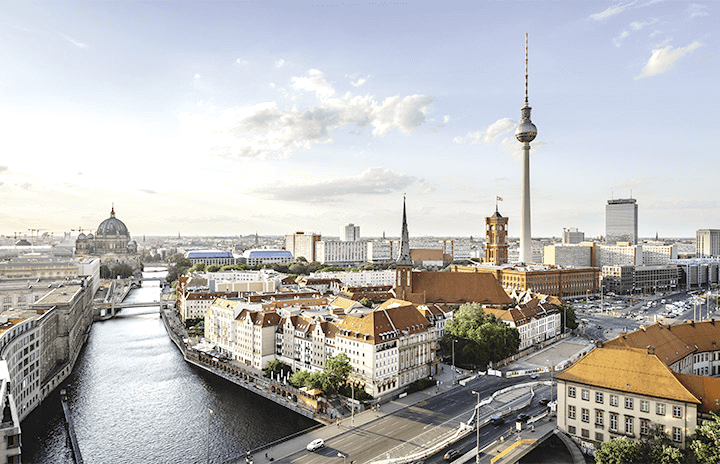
<point x="525" y="133"/>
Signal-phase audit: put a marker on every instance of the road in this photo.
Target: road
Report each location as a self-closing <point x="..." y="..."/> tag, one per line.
<point x="407" y="430"/>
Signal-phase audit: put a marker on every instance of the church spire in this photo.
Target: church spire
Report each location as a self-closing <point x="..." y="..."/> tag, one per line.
<point x="404" y="256"/>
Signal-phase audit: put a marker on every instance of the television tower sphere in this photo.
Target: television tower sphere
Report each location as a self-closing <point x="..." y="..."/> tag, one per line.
<point x="526" y="131"/>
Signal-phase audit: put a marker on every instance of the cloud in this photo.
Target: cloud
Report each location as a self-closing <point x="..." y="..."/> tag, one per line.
<point x="73" y="41"/>
<point x="196" y="77"/>
<point x="242" y="62"/>
<point x="664" y="59"/>
<point x="315" y="82"/>
<point x="425" y="187"/>
<point x="360" y="81"/>
<point x="374" y="181"/>
<point x="279" y="63"/>
<point x="3" y="168"/>
<point x="696" y="11"/>
<point x="610" y="11"/>
<point x="148" y="191"/>
<point x="446" y="119"/>
<point x="267" y="129"/>
<point x="491" y="134"/>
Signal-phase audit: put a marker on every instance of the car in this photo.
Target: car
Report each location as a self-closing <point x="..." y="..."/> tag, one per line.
<point x="522" y="417"/>
<point x="544" y="400"/>
<point x="496" y="420"/>
<point x="315" y="444"/>
<point x="451" y="454"/>
<point x="534" y="376"/>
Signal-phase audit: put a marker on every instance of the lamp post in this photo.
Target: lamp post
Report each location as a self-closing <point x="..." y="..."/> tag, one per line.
<point x="477" y="428"/>
<point x="207" y="441"/>
<point x="344" y="456"/>
<point x="453" y="361"/>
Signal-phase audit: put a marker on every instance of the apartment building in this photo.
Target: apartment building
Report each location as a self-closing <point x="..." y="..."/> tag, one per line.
<point x="537" y="320"/>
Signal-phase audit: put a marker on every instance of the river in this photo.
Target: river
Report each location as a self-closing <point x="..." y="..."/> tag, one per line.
<point x="134" y="399"/>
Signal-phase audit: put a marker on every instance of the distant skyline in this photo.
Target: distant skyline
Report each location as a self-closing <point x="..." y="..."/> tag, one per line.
<point x="227" y="118"/>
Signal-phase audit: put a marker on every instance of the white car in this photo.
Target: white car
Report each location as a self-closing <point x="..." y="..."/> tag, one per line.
<point x="315" y="444"/>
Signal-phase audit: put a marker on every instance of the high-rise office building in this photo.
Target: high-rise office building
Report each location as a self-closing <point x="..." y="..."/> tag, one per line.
<point x="621" y="221"/>
<point x="350" y="233"/>
<point x="707" y="243"/>
<point x="572" y="236"/>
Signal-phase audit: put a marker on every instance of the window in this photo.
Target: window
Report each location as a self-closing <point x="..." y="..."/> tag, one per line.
<point x="644" y="426"/>
<point x="571" y="429"/>
<point x="628" y="425"/>
<point x="644" y="406"/>
<point x="571" y="392"/>
<point x="613" y="400"/>
<point x="599" y="437"/>
<point x="660" y="409"/>
<point x="586" y="394"/>
<point x="677" y="411"/>
<point x="613" y="422"/>
<point x="599" y="417"/>
<point x="585" y="433"/>
<point x="677" y="434"/>
<point x="585" y="415"/>
<point x="571" y="411"/>
<point x="628" y="403"/>
<point x="599" y="397"/>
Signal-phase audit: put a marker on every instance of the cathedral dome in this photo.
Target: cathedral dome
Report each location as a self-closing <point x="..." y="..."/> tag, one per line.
<point x="112" y="226"/>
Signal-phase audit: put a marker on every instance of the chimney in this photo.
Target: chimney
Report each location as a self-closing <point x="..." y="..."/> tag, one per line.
<point x="599" y="343"/>
<point x="712" y="320"/>
<point x="651" y="350"/>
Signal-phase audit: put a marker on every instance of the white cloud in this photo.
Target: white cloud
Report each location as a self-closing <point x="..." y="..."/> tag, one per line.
<point x="618" y="40"/>
<point x="446" y="119"/>
<point x="279" y="63"/>
<point x="196" y="77"/>
<point x="315" y="82"/>
<point x="373" y="181"/>
<point x="360" y="81"/>
<point x="425" y="187"/>
<point x="696" y="10"/>
<point x="242" y="62"/>
<point x="73" y="41"/>
<point x="664" y="59"/>
<point x="491" y="134"/>
<point x="610" y="11"/>
<point x="267" y="129"/>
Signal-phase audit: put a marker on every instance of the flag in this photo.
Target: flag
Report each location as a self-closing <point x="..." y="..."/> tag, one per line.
<point x="499" y="198"/>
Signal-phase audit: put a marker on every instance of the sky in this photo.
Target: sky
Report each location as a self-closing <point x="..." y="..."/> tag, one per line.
<point x="237" y="117"/>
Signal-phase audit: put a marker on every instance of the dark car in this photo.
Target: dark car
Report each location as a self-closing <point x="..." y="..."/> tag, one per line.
<point x="522" y="417"/>
<point x="451" y="454"/>
<point x="496" y="420"/>
<point x="544" y="400"/>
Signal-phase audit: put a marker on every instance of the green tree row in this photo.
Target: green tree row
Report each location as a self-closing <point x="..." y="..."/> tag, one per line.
<point x="479" y="338"/>
<point x="330" y="380"/>
<point x="121" y="270"/>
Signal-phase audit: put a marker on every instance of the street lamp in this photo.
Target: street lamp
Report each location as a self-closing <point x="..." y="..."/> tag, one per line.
<point x="344" y="456"/>
<point x="453" y="361"/>
<point x="477" y="428"/>
<point x="207" y="441"/>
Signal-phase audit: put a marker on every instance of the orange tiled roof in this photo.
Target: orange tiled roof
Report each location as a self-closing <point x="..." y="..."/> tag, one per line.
<point x="673" y="343"/>
<point x="628" y="370"/>
<point x="706" y="389"/>
<point x="457" y="287"/>
<point x="386" y="322"/>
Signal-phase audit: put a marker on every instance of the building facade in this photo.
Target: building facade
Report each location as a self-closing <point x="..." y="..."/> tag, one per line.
<point x="350" y="233"/>
<point x="707" y="243"/>
<point x="496" y="249"/>
<point x="302" y="245"/>
<point x="621" y="221"/>
<point x="572" y="236"/>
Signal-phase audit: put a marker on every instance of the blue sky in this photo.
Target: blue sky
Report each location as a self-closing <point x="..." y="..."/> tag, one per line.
<point x="233" y="117"/>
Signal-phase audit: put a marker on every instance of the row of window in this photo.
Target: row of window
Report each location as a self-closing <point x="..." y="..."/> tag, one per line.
<point x="644" y="430"/>
<point x="677" y="411"/>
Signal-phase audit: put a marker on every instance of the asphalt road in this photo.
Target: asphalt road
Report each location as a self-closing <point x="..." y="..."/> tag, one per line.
<point x="416" y="426"/>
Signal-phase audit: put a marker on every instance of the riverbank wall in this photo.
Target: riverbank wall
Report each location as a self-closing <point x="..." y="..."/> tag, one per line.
<point x="315" y="408"/>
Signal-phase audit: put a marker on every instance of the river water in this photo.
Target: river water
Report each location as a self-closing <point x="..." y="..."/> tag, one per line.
<point x="134" y="399"/>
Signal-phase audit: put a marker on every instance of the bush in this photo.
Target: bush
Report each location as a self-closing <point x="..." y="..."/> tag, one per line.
<point x="420" y="385"/>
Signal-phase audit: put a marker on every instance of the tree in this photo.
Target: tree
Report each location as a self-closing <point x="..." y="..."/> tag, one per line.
<point x="618" y="451"/>
<point x="300" y="378"/>
<point x="705" y="445"/>
<point x="481" y="338"/>
<point x="122" y="270"/>
<point x="365" y="302"/>
<point x="199" y="267"/>
<point x="213" y="268"/>
<point x="337" y="369"/>
<point x="105" y="272"/>
<point x="571" y="322"/>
